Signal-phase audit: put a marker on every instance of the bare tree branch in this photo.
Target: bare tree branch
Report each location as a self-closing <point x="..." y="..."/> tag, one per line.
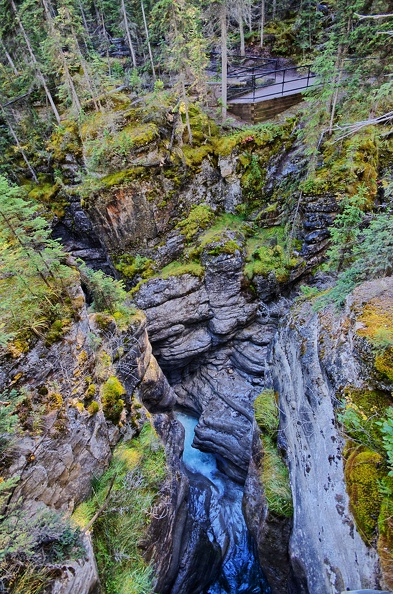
<point x="372" y="16"/>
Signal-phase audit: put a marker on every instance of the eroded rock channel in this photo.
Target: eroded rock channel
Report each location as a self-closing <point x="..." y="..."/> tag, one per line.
<point x="212" y="341"/>
<point x="219" y="349"/>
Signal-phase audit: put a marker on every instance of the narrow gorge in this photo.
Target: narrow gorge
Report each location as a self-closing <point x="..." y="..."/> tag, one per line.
<point x="196" y="331"/>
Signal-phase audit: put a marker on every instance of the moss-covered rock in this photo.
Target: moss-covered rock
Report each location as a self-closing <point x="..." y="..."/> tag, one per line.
<point x="363" y="471"/>
<point x="198" y="219"/>
<point x="112" y="403"/>
<point x="377" y="326"/>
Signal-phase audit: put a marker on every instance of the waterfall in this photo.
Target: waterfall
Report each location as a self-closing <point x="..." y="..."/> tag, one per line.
<point x="240" y="571"/>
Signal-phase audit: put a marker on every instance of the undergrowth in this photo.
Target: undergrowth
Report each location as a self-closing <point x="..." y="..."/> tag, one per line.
<point x="273" y="473"/>
<point x="139" y="470"/>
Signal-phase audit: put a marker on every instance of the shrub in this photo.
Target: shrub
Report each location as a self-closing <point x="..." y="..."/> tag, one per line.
<point x="112" y="404"/>
<point x="139" y="469"/>
<point x="106" y="292"/>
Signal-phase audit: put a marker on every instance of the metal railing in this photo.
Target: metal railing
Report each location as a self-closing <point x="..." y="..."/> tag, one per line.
<point x="258" y="85"/>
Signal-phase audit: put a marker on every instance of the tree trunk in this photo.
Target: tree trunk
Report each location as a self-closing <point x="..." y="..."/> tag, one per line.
<point x="241" y="31"/>
<point x="85" y="67"/>
<point x="185" y="99"/>
<point x="262" y="21"/>
<point x="55" y="35"/>
<point x="224" y="62"/>
<point x="18" y="144"/>
<point x="129" y="41"/>
<point x="274" y="9"/>
<point x="35" y="62"/>
<point x="148" y="40"/>
<point x="10" y="60"/>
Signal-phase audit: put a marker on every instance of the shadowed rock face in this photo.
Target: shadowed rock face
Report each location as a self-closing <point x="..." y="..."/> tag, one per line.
<point x="211" y="341"/>
<point x="218" y="385"/>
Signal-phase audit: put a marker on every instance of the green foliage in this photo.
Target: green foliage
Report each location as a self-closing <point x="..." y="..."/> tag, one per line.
<point x="275" y="480"/>
<point x="346" y="229"/>
<point x="108" y="294"/>
<point x="266" y="252"/>
<point x="274" y="473"/>
<point x="114" y="150"/>
<point x="131" y="266"/>
<point x="139" y="467"/>
<point x="307" y="292"/>
<point x="33" y="278"/>
<point x="366" y="417"/>
<point x="266" y="411"/>
<point x="199" y="218"/>
<point x="369" y="253"/>
<point x="112" y="403"/>
<point x="360" y="416"/>
<point x="386" y="427"/>
<point x="253" y="179"/>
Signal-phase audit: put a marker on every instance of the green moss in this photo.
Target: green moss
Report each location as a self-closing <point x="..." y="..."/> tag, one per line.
<point x="139" y="468"/>
<point x="130" y="266"/>
<point x="112" y="404"/>
<point x="179" y="268"/>
<point x="49" y="194"/>
<point x="137" y="136"/>
<point x="93" y="408"/>
<point x="363" y="471"/>
<point x="346" y="167"/>
<point x="57" y="330"/>
<point x="384" y="363"/>
<point x="194" y="155"/>
<point x="228" y="247"/>
<point x="377" y="327"/>
<point x="120" y="177"/>
<point x="91" y="391"/>
<point x="253" y="179"/>
<point x="270" y="259"/>
<point x="103" y="320"/>
<point x="199" y="218"/>
<point x="65" y="140"/>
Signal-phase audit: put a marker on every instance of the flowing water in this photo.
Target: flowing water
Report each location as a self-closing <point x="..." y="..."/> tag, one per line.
<point x="240" y="570"/>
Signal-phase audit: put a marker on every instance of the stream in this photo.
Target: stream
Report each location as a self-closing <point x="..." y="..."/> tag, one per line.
<point x="240" y="571"/>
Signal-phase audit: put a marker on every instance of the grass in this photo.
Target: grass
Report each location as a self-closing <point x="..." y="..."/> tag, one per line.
<point x="275" y="480"/>
<point x="273" y="472"/>
<point x="139" y="467"/>
<point x="266" y="411"/>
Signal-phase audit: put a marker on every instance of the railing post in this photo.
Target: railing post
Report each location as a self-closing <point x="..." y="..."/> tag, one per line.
<point x="253" y="82"/>
<point x="283" y="80"/>
<point x="308" y="77"/>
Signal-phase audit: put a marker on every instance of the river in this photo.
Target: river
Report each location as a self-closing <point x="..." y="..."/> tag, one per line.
<point x="240" y="571"/>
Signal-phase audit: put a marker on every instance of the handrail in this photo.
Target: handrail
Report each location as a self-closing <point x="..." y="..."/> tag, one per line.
<point x="275" y="93"/>
<point x="251" y="84"/>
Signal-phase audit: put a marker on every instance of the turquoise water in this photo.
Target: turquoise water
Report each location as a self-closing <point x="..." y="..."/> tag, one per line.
<point x="240" y="570"/>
